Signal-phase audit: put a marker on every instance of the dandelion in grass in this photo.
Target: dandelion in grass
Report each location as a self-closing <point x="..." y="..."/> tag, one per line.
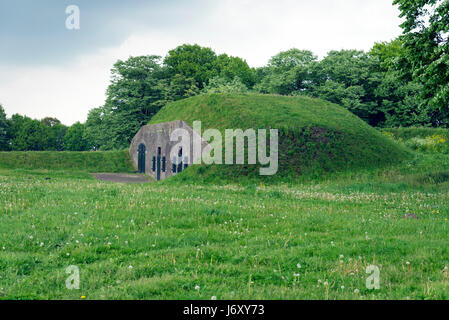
<point x="197" y="287"/>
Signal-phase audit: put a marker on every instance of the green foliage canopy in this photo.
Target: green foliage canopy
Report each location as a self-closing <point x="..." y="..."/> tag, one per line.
<point x="426" y="36"/>
<point x="4" y="129"/>
<point x="192" y="61"/>
<point x="135" y="94"/>
<point x="74" y="139"/>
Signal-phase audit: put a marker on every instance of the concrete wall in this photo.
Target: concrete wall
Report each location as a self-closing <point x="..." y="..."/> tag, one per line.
<point x="158" y="135"/>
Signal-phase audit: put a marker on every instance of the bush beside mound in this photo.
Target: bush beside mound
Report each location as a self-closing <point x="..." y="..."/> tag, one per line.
<point x="423" y="139"/>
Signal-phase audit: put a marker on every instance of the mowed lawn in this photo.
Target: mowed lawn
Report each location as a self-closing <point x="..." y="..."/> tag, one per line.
<point x="171" y="240"/>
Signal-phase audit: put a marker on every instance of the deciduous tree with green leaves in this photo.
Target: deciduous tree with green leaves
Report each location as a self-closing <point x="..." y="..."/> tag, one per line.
<point x="133" y="97"/>
<point x="192" y="61"/>
<point x="397" y="95"/>
<point x="54" y="132"/>
<point x="178" y="87"/>
<point x="28" y="134"/>
<point x="230" y="67"/>
<point x="223" y="85"/>
<point x="74" y="139"/>
<point x="346" y="77"/>
<point x="95" y="132"/>
<point x="287" y="72"/>
<point x="4" y="130"/>
<point x="426" y="36"/>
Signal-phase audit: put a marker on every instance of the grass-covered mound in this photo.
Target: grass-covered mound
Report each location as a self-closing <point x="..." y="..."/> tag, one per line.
<point x="98" y="161"/>
<point x="315" y="136"/>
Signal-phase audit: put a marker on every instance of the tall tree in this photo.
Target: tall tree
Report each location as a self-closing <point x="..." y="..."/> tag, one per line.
<point x="287" y="60"/>
<point x="426" y="35"/>
<point x="224" y="85"/>
<point x="28" y="134"/>
<point x="133" y="97"/>
<point x="74" y="139"/>
<point x="50" y="122"/>
<point x="192" y="61"/>
<point x="230" y="67"/>
<point x="54" y="131"/>
<point x="345" y="77"/>
<point x="4" y="130"/>
<point x="287" y="72"/>
<point x="398" y="97"/>
<point x="95" y="132"/>
<point x="178" y="87"/>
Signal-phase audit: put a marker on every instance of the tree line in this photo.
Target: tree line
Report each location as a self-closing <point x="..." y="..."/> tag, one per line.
<point x="21" y="133"/>
<point x="400" y="83"/>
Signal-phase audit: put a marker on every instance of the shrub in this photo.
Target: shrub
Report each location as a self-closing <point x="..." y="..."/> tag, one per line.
<point x="429" y="140"/>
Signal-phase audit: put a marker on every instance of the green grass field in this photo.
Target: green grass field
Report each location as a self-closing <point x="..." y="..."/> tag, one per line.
<point x="307" y="239"/>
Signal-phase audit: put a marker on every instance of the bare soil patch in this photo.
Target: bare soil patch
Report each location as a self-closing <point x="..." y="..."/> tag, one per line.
<point x="122" y="177"/>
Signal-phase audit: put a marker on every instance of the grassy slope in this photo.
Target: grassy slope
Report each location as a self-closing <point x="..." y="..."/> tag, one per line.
<point x="232" y="241"/>
<point x="104" y="161"/>
<point x="315" y="136"/>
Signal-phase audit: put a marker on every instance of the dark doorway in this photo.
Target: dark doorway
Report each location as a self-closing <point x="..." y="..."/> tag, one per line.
<point x="179" y="169"/>
<point x="158" y="164"/>
<point x="141" y="158"/>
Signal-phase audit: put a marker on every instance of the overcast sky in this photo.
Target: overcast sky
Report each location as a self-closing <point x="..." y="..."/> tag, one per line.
<point x="48" y="70"/>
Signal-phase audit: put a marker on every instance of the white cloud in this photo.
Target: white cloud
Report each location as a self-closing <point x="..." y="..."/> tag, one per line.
<point x="252" y="30"/>
<point x="68" y="92"/>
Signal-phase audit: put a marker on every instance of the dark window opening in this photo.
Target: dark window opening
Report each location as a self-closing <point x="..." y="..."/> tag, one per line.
<point x="141" y="158"/>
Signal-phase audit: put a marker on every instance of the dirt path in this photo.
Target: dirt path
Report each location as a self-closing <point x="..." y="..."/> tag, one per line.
<point x="122" y="177"/>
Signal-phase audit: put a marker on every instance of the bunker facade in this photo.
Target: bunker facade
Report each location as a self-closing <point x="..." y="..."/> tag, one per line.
<point x="152" y="151"/>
